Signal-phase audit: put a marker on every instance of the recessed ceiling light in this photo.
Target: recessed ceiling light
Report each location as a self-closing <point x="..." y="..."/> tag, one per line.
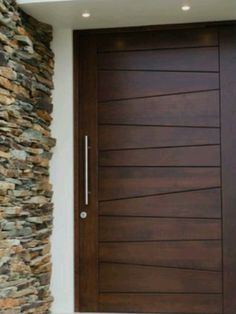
<point x="186" y="7"/>
<point x="86" y="14"/>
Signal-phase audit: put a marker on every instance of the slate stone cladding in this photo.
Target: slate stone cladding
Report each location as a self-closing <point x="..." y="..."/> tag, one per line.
<point x="26" y="70"/>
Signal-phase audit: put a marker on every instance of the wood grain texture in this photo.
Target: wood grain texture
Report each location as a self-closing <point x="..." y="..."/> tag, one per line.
<point x="201" y="204"/>
<point x="125" y="137"/>
<point x="87" y="240"/>
<point x="228" y="135"/>
<point x="186" y="59"/>
<point x="76" y="169"/>
<point x="205" y="255"/>
<point x="193" y="109"/>
<point x="152" y="241"/>
<point x="159" y="39"/>
<point x="133" y="84"/>
<point x="130" y="278"/>
<point x="180" y="156"/>
<point x="155" y="229"/>
<point x="128" y="182"/>
<point x="161" y="303"/>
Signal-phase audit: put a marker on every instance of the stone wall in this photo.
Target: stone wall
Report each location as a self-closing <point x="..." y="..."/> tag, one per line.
<point x="26" y="69"/>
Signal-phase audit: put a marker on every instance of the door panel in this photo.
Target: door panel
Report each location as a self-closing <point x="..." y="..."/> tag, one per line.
<point x="136" y="84"/>
<point x="158" y="109"/>
<point x="166" y="303"/>
<point x="132" y="278"/>
<point x="133" y="41"/>
<point x="156" y="229"/>
<point x="205" y="254"/>
<point x="175" y="156"/>
<point x="115" y="137"/>
<point x="200" y="204"/>
<point x="127" y="182"/>
<point x="164" y="110"/>
<point x="185" y="59"/>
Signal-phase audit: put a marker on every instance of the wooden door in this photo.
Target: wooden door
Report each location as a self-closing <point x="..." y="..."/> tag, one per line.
<point x="159" y="111"/>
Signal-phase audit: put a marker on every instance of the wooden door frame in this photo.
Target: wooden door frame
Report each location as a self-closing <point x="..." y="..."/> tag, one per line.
<point x="77" y="64"/>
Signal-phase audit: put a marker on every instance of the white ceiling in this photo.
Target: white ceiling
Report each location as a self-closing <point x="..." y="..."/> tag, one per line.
<point x="121" y="13"/>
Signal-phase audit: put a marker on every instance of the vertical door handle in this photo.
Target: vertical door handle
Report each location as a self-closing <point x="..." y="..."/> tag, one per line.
<point x="86" y="170"/>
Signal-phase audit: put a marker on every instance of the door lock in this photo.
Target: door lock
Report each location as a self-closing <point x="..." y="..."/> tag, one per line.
<point x="83" y="215"/>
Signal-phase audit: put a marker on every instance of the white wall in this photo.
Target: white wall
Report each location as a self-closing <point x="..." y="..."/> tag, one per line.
<point x="62" y="175"/>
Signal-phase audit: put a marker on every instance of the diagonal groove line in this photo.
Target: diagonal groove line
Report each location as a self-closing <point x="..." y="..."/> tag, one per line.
<point x="160" y="266"/>
<point x="156" y="147"/>
<point x="100" y="51"/>
<point x="157" y="194"/>
<point x="160" y="95"/>
<point x="155" y="71"/>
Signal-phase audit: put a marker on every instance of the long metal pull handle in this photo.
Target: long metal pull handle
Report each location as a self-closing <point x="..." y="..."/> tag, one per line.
<point x="86" y="179"/>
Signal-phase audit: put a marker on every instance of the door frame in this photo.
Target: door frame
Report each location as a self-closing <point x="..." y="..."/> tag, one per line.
<point x="77" y="65"/>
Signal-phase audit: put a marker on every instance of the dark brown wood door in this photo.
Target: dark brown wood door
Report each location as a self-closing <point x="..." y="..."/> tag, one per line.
<point x="159" y="112"/>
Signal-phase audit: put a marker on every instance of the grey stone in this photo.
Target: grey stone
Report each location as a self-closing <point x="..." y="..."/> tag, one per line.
<point x="35" y="220"/>
<point x="15" y="310"/>
<point x="42" y="88"/>
<point x="8" y="226"/>
<point x="14" y="181"/>
<point x="4" y="260"/>
<point x="44" y="104"/>
<point x="18" y="154"/>
<point x="31" y="134"/>
<point x="24" y="39"/>
<point x="3" y="8"/>
<point x="38" y="200"/>
<point x="4" y="293"/>
<point x="25" y="106"/>
<point x="27" y="82"/>
<point x="3" y="58"/>
<point x="7" y="21"/>
<point x="6" y="186"/>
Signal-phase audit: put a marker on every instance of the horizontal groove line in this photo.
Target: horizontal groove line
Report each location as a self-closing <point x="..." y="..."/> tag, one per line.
<point x="166" y="193"/>
<point x="160" y="126"/>
<point x="155" y="71"/>
<point x="132" y="312"/>
<point x="161" y="95"/>
<point x="157" y="266"/>
<point x="157" y="147"/>
<point x="100" y="51"/>
<point x="128" y="312"/>
<point x="156" y="166"/>
<point x="159" y="217"/>
<point x="124" y="166"/>
<point x="158" y="292"/>
<point x="158" y="241"/>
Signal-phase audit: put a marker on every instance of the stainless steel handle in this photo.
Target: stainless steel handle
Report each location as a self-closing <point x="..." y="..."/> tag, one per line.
<point x="86" y="179"/>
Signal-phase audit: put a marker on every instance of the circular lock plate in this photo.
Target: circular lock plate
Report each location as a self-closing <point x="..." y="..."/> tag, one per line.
<point x="83" y="215"/>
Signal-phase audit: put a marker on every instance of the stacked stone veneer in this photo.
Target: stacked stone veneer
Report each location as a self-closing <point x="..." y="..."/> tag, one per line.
<point x="26" y="69"/>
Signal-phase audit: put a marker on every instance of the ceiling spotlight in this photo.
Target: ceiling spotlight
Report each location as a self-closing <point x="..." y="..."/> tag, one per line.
<point x="186" y="7"/>
<point x="86" y="14"/>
